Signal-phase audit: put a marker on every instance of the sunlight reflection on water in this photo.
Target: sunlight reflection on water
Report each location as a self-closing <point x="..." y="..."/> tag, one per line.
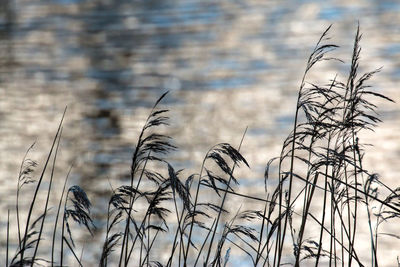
<point x="228" y="64"/>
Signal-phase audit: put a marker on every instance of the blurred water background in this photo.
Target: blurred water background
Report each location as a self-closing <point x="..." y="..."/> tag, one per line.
<point x="228" y="64"/>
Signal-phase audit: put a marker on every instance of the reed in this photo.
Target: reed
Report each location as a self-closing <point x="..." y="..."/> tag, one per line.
<point x="317" y="182"/>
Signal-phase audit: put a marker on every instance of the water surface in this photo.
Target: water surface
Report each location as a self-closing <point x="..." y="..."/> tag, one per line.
<point x="227" y="65"/>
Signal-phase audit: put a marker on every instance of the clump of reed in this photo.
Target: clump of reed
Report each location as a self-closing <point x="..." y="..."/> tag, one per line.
<point x="319" y="183"/>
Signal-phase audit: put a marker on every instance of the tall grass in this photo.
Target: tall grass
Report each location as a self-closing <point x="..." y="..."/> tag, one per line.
<point x="320" y="186"/>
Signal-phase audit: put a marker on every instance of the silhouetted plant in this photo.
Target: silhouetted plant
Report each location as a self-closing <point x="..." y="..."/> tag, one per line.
<point x="320" y="168"/>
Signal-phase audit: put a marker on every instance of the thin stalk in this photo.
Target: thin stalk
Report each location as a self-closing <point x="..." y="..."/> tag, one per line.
<point x="127" y="256"/>
<point x="179" y="220"/>
<point x="342" y="246"/>
<point x="348" y="208"/>
<point x="223" y="200"/>
<point x="134" y="165"/>
<point x="146" y="217"/>
<point x="17" y="199"/>
<point x="270" y="234"/>
<point x="332" y="220"/>
<point x="141" y="251"/>
<point x="108" y="229"/>
<point x="148" y="240"/>
<point x="194" y="209"/>
<point x="73" y="252"/>
<point x="149" y="249"/>
<point x="62" y="232"/>
<point x="374" y="260"/>
<point x="56" y="220"/>
<point x="179" y="231"/>
<point x="37" y="188"/>
<point x="355" y="191"/>
<point x="8" y="235"/>
<point x="324" y="205"/>
<point x="259" y="255"/>
<point x="348" y="236"/>
<point x="349" y="102"/>
<point x="366" y="194"/>
<point x="204" y="243"/>
<point x="331" y="177"/>
<point x="63" y="239"/>
<point x="303" y="225"/>
<point x="174" y="245"/>
<point x="290" y="171"/>
<point x="83" y="248"/>
<point x="280" y="204"/>
<point x="47" y="199"/>
<point x="316" y="56"/>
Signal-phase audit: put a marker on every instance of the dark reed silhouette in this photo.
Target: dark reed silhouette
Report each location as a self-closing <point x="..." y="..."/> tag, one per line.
<point x="318" y="184"/>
